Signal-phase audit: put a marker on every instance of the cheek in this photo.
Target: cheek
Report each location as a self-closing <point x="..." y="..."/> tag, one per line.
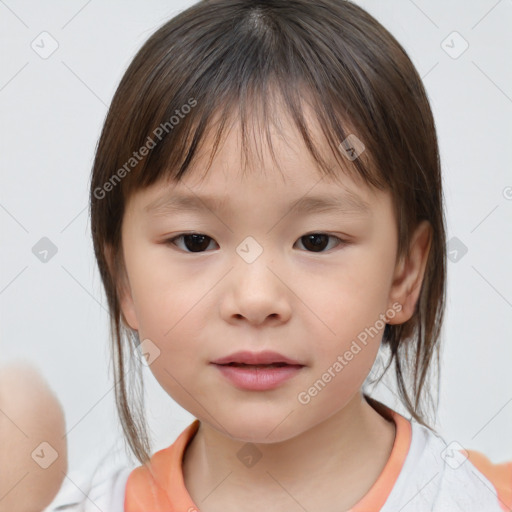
<point x="350" y="298"/>
<point x="335" y="380"/>
<point x="164" y="295"/>
<point x="343" y="358"/>
<point x="175" y="318"/>
<point x="349" y="304"/>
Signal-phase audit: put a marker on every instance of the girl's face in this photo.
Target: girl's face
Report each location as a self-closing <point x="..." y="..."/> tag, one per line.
<point x="255" y="282"/>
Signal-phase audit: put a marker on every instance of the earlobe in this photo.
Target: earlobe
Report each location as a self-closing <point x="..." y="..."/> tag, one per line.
<point x="128" y="314"/>
<point x="409" y="273"/>
<point x="123" y="290"/>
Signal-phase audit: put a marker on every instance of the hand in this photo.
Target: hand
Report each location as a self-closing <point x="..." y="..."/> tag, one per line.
<point x="31" y="473"/>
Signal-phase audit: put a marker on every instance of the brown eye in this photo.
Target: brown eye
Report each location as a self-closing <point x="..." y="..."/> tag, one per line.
<point x="317" y="242"/>
<point x="193" y="242"/>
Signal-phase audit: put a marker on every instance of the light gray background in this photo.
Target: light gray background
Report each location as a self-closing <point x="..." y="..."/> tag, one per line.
<point x="52" y="110"/>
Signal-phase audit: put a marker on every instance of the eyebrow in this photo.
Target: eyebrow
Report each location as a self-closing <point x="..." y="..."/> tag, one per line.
<point x="344" y="202"/>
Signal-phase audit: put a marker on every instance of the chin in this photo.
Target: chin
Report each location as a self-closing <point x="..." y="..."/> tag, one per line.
<point x="264" y="430"/>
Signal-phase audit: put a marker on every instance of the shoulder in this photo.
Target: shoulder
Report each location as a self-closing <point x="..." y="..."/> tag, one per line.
<point x="439" y="476"/>
<point x="499" y="474"/>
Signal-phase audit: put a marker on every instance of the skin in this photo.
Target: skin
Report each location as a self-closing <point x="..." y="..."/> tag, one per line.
<point x="310" y="306"/>
<point x="30" y="414"/>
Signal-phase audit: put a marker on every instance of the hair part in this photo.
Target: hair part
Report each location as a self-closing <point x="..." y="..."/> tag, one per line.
<point x="220" y="58"/>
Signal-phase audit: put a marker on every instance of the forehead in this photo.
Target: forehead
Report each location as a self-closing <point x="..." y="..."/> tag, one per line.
<point x="245" y="199"/>
<point x="167" y="200"/>
<point x="266" y="160"/>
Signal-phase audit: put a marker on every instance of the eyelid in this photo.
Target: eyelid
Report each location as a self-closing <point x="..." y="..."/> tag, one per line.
<point x="170" y="241"/>
<point x="341" y="241"/>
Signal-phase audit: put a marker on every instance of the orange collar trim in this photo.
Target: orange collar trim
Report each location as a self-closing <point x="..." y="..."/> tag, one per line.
<point x="375" y="498"/>
<point x="146" y="485"/>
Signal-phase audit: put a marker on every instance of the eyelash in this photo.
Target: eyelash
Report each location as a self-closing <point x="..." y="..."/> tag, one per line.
<point x="171" y="241"/>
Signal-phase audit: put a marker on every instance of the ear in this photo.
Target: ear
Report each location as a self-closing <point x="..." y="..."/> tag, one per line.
<point x="123" y="290"/>
<point x="409" y="273"/>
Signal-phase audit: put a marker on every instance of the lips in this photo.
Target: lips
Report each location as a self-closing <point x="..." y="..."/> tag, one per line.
<point x="258" y="377"/>
<point x="257" y="359"/>
<point x="260" y="366"/>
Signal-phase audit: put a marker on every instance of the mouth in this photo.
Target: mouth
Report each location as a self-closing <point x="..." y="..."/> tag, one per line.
<point x="266" y="359"/>
<point x="258" y="377"/>
<point x="261" y="366"/>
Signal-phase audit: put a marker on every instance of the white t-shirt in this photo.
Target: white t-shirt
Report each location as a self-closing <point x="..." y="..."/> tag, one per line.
<point x="432" y="477"/>
<point x="429" y="482"/>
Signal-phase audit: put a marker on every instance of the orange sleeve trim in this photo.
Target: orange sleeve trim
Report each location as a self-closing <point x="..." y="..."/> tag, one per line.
<point x="500" y="475"/>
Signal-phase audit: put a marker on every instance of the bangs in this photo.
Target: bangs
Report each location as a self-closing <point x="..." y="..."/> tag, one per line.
<point x="204" y="131"/>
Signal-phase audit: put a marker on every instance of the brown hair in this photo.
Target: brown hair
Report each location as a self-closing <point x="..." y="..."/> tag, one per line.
<point x="222" y="56"/>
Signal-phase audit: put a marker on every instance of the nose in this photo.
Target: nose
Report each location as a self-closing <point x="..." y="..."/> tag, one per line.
<point x="257" y="292"/>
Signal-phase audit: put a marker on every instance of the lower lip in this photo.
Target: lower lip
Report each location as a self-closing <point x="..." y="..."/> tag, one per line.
<point x="258" y="379"/>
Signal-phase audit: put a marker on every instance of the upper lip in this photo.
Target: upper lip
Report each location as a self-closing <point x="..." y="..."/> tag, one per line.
<point x="266" y="357"/>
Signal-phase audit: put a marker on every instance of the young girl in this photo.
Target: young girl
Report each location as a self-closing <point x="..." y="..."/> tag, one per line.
<point x="267" y="217"/>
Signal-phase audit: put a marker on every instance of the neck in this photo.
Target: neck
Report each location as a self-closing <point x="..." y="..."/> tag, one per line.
<point x="333" y="464"/>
